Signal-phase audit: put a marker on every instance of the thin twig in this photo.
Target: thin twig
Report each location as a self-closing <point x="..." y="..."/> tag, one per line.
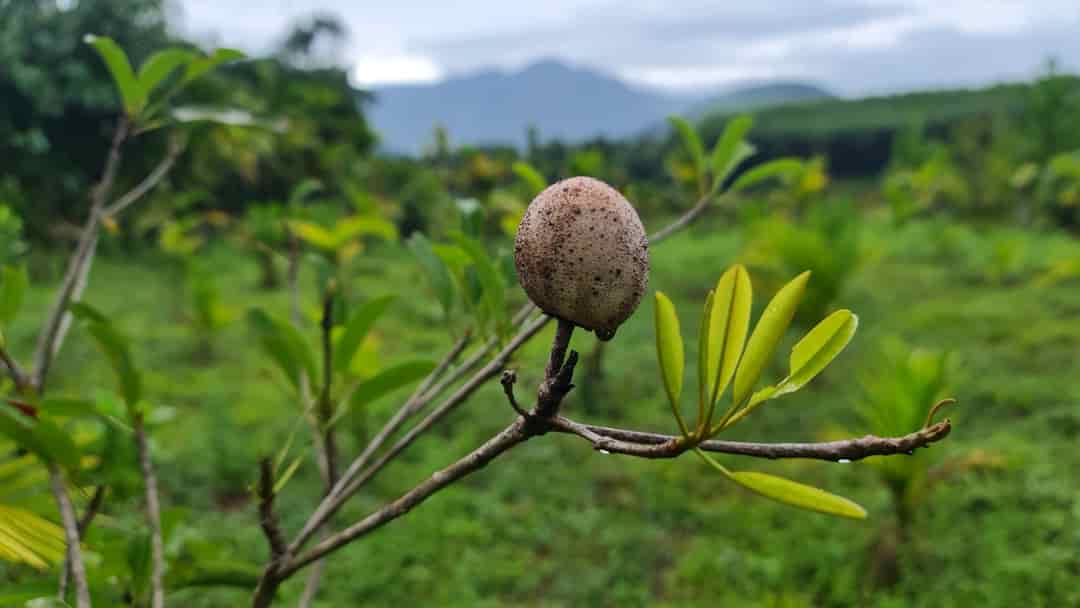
<point x="511" y="436"/>
<point x="655" y="445"/>
<point x="508" y="379"/>
<point x="682" y="221"/>
<point x="153" y="516"/>
<point x="332" y="504"/>
<point x="152" y="179"/>
<point x="17" y="375"/>
<point x="71" y="537"/>
<point x="399" y="417"/>
<point x="92" y="509"/>
<point x="270" y="581"/>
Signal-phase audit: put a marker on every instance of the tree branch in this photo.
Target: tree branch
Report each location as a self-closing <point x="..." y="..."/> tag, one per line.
<point x="511" y="436"/>
<point x="654" y="445"/>
<point x="92" y="509"/>
<point x="176" y="148"/>
<point x="153" y="516"/>
<point x="71" y="537"/>
<point x="17" y="375"/>
<point x="331" y="505"/>
<point x="270" y="580"/>
<point x="682" y="221"/>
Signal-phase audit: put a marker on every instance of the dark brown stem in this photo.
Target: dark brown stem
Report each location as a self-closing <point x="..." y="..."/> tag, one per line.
<point x="153" y="516"/>
<point x="22" y="382"/>
<point x="655" y="445"/>
<point x="558" y="373"/>
<point x="509" y="378"/>
<point x="271" y="579"/>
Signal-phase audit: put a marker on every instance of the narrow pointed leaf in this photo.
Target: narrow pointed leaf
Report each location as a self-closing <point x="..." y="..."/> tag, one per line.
<point x="818" y="348"/>
<point x="116" y="349"/>
<point x="202" y="65"/>
<point x="797" y="494"/>
<point x="530" y="176"/>
<point x="691" y="141"/>
<point x="158" y="66"/>
<point x="669" y="348"/>
<point x="364" y="225"/>
<point x="493" y="288"/>
<point x="390" y="379"/>
<point x="29" y="539"/>
<point x="289" y="472"/>
<point x="767" y="334"/>
<point x="357" y="329"/>
<point x="284" y="345"/>
<point x="131" y="95"/>
<point x="729" y="326"/>
<point x="781" y="168"/>
<point x="435" y="269"/>
<point x="13" y="285"/>
<point x="725" y="153"/>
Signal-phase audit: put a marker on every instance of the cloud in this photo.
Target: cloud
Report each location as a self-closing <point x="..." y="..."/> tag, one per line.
<point x="627" y="34"/>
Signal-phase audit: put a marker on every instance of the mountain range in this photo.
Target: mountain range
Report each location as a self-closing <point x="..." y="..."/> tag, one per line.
<point x="561" y="101"/>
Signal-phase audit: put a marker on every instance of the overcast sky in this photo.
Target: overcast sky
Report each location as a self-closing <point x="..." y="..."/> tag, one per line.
<point x="850" y="46"/>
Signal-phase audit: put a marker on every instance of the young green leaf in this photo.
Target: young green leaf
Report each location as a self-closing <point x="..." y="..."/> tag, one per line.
<point x="818" y="348"/>
<point x="116" y="349"/>
<point x="692" y="142"/>
<point x="279" y="484"/>
<point x="728" y="328"/>
<point x="435" y="269"/>
<point x="314" y="234"/>
<point x="669" y="348"/>
<point x="131" y="94"/>
<point x="356" y="329"/>
<point x="364" y="225"/>
<point x="158" y="66"/>
<point x="781" y="168"/>
<point x="725" y="154"/>
<point x="767" y="335"/>
<point x="202" y="65"/>
<point x="29" y="539"/>
<point x="797" y="494"/>
<point x="285" y="345"/>
<point x="390" y="379"/>
<point x="12" y="291"/>
<point x="528" y="174"/>
<point x="491" y="282"/>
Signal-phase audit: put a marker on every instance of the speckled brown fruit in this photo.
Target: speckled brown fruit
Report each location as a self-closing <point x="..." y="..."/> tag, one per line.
<point x="582" y="254"/>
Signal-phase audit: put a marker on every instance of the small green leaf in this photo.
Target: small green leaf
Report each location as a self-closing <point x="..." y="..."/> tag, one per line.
<point x="692" y="142"/>
<point x="364" y="225"/>
<point x="669" y="348"/>
<point x="314" y="234"/>
<point x="289" y="472"/>
<point x="285" y="345"/>
<point x="202" y="65"/>
<point x="59" y="406"/>
<point x="530" y="176"/>
<point x="491" y="282"/>
<point x="781" y="168"/>
<point x="767" y="334"/>
<point x="158" y="66"/>
<point x="390" y="379"/>
<point x="730" y="148"/>
<point x="357" y="329"/>
<point x="115" y="348"/>
<point x="305" y="189"/>
<point x="12" y="291"/>
<point x="29" y="539"/>
<point x="132" y="96"/>
<point x="818" y="348"/>
<point x="435" y="269"/>
<point x="728" y="328"/>
<point x="797" y="494"/>
<point x="47" y="602"/>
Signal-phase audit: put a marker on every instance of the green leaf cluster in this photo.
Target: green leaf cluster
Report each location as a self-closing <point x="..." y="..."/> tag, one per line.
<point x="727" y="358"/>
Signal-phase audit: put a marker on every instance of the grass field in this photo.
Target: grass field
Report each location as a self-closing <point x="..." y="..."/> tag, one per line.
<point x="555" y="524"/>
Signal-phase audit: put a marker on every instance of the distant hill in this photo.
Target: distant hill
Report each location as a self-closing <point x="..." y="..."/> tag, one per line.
<point x="563" y="102"/>
<point x="750" y="97"/>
